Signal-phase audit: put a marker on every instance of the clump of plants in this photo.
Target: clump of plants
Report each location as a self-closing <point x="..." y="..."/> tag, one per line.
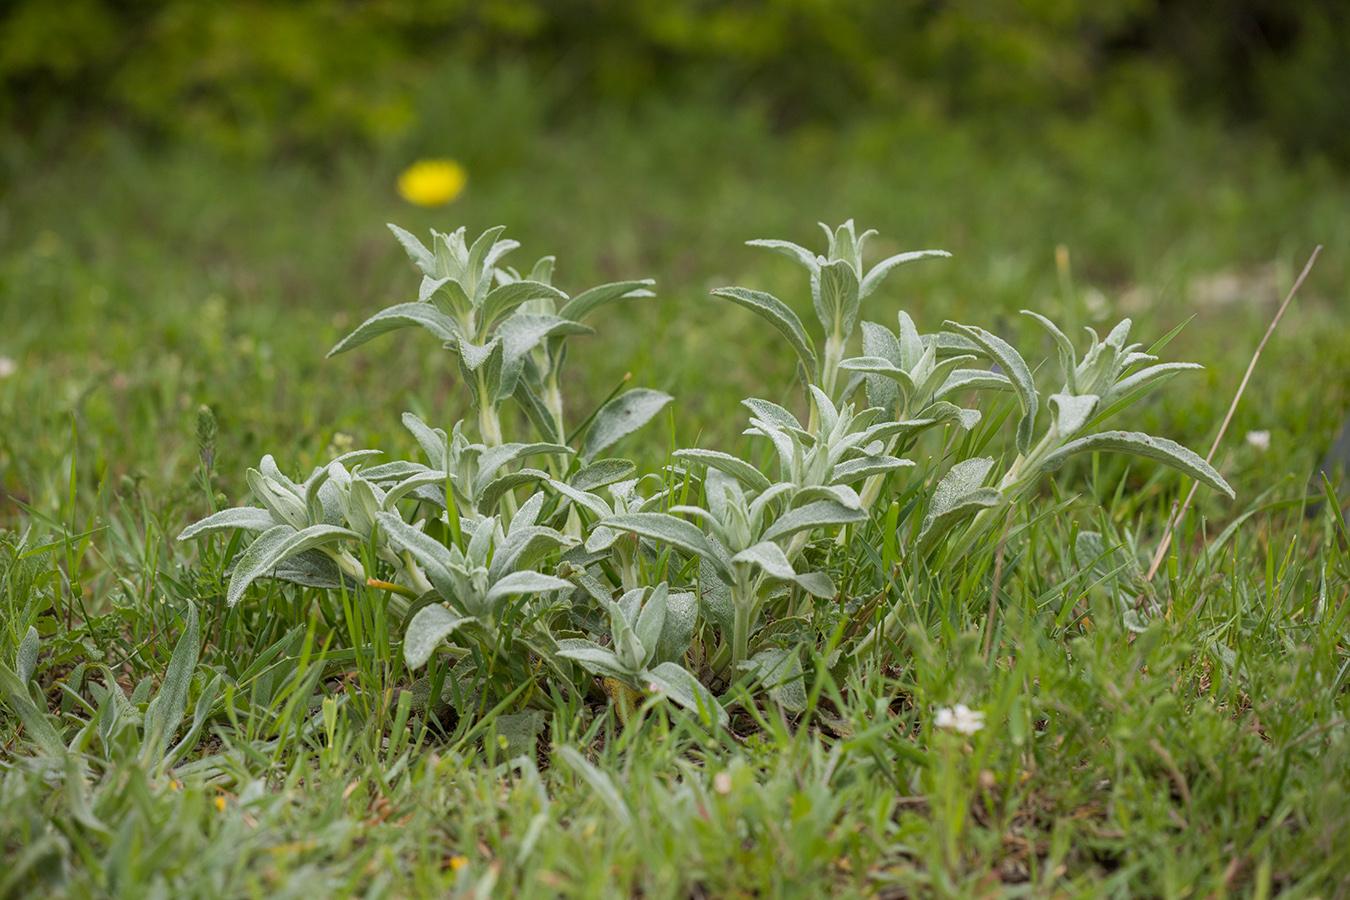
<point x="546" y="561"/>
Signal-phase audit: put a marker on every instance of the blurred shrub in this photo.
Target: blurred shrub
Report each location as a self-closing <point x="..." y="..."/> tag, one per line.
<point x="262" y="76"/>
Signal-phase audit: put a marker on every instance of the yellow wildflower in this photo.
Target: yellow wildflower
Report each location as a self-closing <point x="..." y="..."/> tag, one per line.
<point x="432" y="182"/>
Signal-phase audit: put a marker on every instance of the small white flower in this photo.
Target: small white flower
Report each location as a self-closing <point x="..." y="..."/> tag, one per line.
<point x="7" y="367"/>
<point x="960" y="718"/>
<point x="722" y="783"/>
<point x="1259" y="439"/>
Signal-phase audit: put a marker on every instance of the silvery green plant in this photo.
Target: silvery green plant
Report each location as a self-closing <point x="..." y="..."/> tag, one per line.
<point x="474" y="586"/>
<point x="910" y="379"/>
<point x="838" y="287"/>
<point x="586" y="508"/>
<point x="327" y="513"/>
<point x="476" y="474"/>
<point x="965" y="506"/>
<point x="501" y="588"/>
<point x="1112" y="374"/>
<point x="508" y="333"/>
<point x="650" y="630"/>
<point x="751" y="530"/>
<point x="539" y="387"/>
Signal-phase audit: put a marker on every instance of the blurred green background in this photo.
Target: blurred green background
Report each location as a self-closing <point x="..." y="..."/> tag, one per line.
<point x="193" y="197"/>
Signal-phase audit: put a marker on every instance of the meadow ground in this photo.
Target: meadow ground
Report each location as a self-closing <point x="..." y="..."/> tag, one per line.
<point x="1203" y="753"/>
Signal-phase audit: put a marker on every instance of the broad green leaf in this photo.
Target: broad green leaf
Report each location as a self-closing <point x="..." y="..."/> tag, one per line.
<point x="1071" y="412"/>
<point x="1008" y="359"/>
<point x="874" y="278"/>
<point x="494" y="458"/>
<point x="523" y="547"/>
<point x="408" y="485"/>
<point x="959" y="495"/>
<point x="401" y="315"/>
<point x="523" y="331"/>
<point x="1140" y="444"/>
<point x="779" y="670"/>
<point x="165" y="713"/>
<point x="520" y="731"/>
<point x="496" y="489"/>
<point x="416" y="250"/>
<point x="769" y="557"/>
<point x="540" y="416"/>
<point x="651" y="619"/>
<point x="602" y="472"/>
<point x="622" y="416"/>
<point x="593" y="658"/>
<point x="248" y="518"/>
<point x="35" y="722"/>
<point x="678" y="684"/>
<point x="973" y="380"/>
<point x="431" y="625"/>
<point x="817" y="584"/>
<point x="879" y="343"/>
<point x="525" y="582"/>
<point x="853" y="470"/>
<point x="678" y="533"/>
<point x="814" y="515"/>
<point x="1068" y="357"/>
<point x="433" y="441"/>
<point x="312" y="568"/>
<point x="26" y="655"/>
<point x="677" y="632"/>
<point x="737" y="468"/>
<point x="1127" y="386"/>
<point x="276" y="544"/>
<point x="792" y="251"/>
<point x="585" y="303"/>
<point x="715" y="597"/>
<point x="777" y="313"/>
<point x="836" y="302"/>
<point x="284" y="505"/>
<point x="588" y="501"/>
<point x="504" y="298"/>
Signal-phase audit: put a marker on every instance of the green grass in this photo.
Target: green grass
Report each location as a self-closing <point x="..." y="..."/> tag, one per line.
<point x="1207" y="755"/>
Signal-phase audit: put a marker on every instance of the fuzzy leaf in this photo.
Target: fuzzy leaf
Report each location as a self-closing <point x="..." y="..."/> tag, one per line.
<point x="248" y="518"/>
<point x="165" y="713"/>
<point x="678" y="533"/>
<point x="958" y="496"/>
<point x="1011" y="362"/>
<point x="677" y="631"/>
<point x="416" y="250"/>
<point x="602" y="472"/>
<point x="838" y="299"/>
<point x="973" y="380"/>
<point x="678" y="684"/>
<point x="401" y="315"/>
<point x="504" y="298"/>
<point x="622" y="416"/>
<point x="883" y="268"/>
<point x="813" y="515"/>
<point x="428" y="628"/>
<point x="1068" y="357"/>
<point x="525" y="582"/>
<point x="779" y="670"/>
<point x="585" y="303"/>
<point x="275" y="545"/>
<point x="792" y="251"/>
<point x="852" y="470"/>
<point x="737" y="468"/>
<point x="781" y="317"/>
<point x="769" y="557"/>
<point x="1140" y="444"/>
